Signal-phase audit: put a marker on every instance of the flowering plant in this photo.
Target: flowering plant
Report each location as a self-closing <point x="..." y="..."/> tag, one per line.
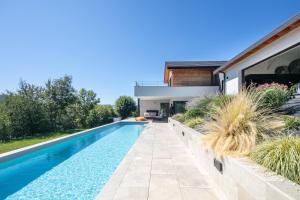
<point x="275" y="94"/>
<point x="272" y="86"/>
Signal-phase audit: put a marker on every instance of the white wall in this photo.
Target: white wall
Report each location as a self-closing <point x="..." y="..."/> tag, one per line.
<point x="150" y="105"/>
<point x="173" y="92"/>
<point x="232" y="86"/>
<point x="155" y="104"/>
<point x="233" y="74"/>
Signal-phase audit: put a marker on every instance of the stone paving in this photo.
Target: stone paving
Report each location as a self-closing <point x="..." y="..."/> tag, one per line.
<point x="158" y="167"/>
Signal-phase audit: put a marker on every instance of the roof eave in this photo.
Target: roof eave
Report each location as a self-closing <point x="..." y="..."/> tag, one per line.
<point x="284" y="29"/>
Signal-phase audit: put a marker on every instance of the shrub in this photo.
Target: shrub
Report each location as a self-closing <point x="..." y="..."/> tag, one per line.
<point x="101" y="114"/>
<point x="4" y="124"/>
<point x="179" y="117"/>
<point x="2" y="97"/>
<point x="204" y="105"/>
<point x="58" y="95"/>
<point x="208" y="105"/>
<point x="292" y="90"/>
<point x="70" y="119"/>
<point x="221" y="100"/>
<point x="193" y="113"/>
<point x="125" y="106"/>
<point x="106" y="113"/>
<point x="194" y="103"/>
<point x="281" y="155"/>
<point x="291" y="123"/>
<point x="33" y="110"/>
<point x="272" y="86"/>
<point x="274" y="95"/>
<point x="26" y="115"/>
<point x="134" y="113"/>
<point x="87" y="100"/>
<point x="192" y="123"/>
<point x="275" y="98"/>
<point x="237" y="125"/>
<point x="218" y="102"/>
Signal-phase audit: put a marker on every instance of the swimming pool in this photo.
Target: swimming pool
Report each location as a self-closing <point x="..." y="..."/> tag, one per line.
<point x="77" y="168"/>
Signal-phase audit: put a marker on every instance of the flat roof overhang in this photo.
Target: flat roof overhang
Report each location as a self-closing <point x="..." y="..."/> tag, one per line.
<point x="279" y="32"/>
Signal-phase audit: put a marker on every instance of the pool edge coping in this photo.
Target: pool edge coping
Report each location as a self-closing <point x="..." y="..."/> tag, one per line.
<point x="110" y="187"/>
<point x="28" y="149"/>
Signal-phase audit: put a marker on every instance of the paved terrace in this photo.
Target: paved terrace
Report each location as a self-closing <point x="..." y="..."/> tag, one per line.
<point x="158" y="167"/>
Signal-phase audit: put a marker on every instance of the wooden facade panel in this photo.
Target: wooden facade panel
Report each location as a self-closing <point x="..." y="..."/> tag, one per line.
<point x="191" y="77"/>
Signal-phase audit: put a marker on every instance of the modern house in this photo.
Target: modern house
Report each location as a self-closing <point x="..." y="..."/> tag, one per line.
<point x="274" y="58"/>
<point x="182" y="82"/>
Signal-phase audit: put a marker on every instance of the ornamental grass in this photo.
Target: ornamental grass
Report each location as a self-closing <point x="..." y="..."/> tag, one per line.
<point x="281" y="155"/>
<point x="194" y="122"/>
<point x="238" y="124"/>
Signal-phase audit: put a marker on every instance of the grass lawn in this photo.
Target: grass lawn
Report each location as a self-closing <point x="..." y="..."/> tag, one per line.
<point x="19" y="143"/>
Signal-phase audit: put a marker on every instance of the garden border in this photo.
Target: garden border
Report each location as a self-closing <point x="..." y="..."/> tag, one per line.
<point x="237" y="178"/>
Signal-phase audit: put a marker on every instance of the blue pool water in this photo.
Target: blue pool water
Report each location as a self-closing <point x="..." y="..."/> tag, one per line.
<point x="74" y="169"/>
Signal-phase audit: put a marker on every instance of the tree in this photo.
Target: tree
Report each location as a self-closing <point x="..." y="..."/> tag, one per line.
<point x="31" y="96"/>
<point x="18" y="114"/>
<point x="57" y="106"/>
<point x="25" y="111"/>
<point x="5" y="133"/>
<point x="101" y="114"/>
<point x="58" y="95"/>
<point x="2" y="97"/>
<point x="87" y="100"/>
<point x="125" y="106"/>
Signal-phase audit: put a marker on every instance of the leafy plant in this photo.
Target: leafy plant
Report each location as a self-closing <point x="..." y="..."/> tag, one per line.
<point x="26" y="112"/>
<point x="238" y="124"/>
<point x="125" y="106"/>
<point x="272" y="86"/>
<point x="101" y="114"/>
<point x="291" y="123"/>
<point x="292" y="90"/>
<point x="281" y="155"/>
<point x="86" y="101"/>
<point x="192" y="123"/>
<point x="179" y="117"/>
<point x="4" y="124"/>
<point x="208" y="105"/>
<point x="275" y="98"/>
<point x="34" y="110"/>
<point x="58" y="94"/>
<point x="274" y="95"/>
<point x="193" y="113"/>
<point x="2" y="97"/>
<point x="198" y="102"/>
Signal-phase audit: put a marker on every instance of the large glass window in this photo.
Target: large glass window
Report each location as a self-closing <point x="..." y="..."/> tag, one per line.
<point x="179" y="106"/>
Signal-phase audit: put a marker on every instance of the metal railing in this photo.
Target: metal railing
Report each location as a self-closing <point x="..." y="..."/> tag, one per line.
<point x="150" y="83"/>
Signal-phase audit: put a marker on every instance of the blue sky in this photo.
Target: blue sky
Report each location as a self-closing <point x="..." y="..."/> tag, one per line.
<point x="106" y="45"/>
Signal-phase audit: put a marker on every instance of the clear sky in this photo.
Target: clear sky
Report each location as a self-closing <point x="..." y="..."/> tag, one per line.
<point x="106" y="45"/>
